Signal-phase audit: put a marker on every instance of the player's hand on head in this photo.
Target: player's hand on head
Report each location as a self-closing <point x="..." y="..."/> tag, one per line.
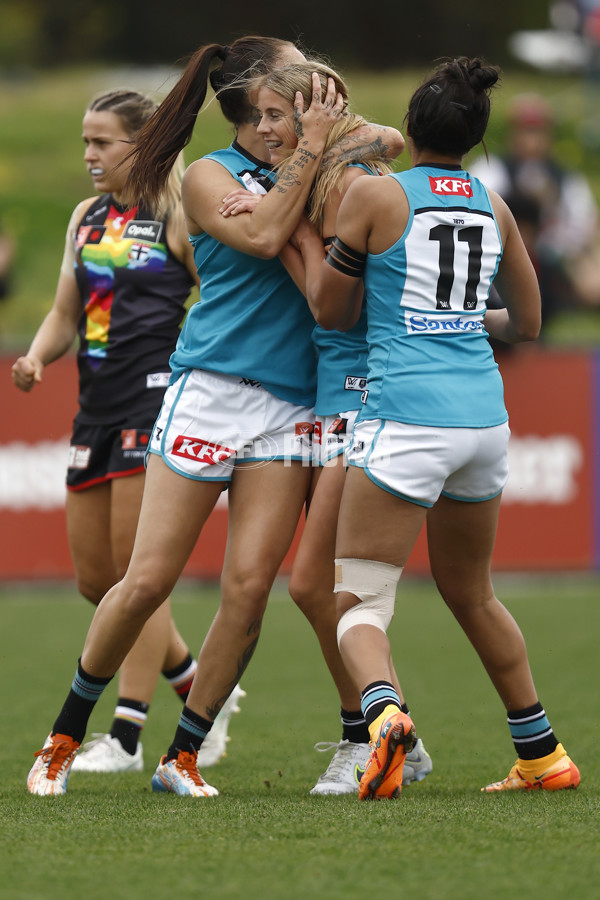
<point x="316" y="121"/>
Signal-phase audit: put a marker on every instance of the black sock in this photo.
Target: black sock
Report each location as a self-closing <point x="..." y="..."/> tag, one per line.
<point x="191" y="731"/>
<point x="376" y="697"/>
<point x="85" y="692"/>
<point x="354" y="726"/>
<point x="130" y="717"/>
<point x="180" y="677"/>
<point x="531" y="732"/>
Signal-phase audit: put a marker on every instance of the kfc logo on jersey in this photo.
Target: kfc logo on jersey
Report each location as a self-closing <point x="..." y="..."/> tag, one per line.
<point x="458" y="187"/>
<point x="143" y="231"/>
<point x="199" y="450"/>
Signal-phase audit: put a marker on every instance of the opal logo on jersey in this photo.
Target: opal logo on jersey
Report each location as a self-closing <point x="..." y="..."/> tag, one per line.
<point x="143" y="231"/>
<point x="200" y="450"/>
<point x="458" y="187"/>
<point x="440" y="324"/>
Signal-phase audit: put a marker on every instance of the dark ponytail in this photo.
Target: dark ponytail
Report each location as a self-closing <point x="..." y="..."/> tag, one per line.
<point x="449" y="112"/>
<point x="170" y="128"/>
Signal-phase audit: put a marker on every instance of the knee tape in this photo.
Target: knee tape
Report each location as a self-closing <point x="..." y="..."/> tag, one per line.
<point x="374" y="583"/>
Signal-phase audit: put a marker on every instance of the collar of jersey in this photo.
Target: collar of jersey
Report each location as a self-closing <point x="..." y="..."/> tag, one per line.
<point x="253" y="159"/>
<point x="449" y="166"/>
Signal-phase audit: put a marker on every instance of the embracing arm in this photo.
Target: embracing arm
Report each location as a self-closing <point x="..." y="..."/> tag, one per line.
<point x="315" y="246"/>
<point x="522" y="318"/>
<point x="266" y="229"/>
<point x="334" y="286"/>
<point x="364" y="143"/>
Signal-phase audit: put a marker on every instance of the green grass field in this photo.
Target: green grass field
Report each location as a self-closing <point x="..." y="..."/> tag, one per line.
<point x="264" y="836"/>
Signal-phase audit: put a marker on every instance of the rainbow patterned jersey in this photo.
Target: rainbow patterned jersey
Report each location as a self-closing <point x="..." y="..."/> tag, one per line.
<point x="133" y="292"/>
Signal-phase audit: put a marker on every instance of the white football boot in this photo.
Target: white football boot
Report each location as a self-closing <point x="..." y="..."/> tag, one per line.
<point x="214" y="745"/>
<point x="106" y="754"/>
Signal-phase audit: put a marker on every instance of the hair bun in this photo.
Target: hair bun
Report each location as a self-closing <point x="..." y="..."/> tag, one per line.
<point x="481" y="77"/>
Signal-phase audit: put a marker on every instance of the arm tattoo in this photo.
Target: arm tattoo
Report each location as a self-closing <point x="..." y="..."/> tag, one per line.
<point x="350" y="149"/>
<point x="289" y="177"/>
<point x="288" y="180"/>
<point x="306" y="153"/>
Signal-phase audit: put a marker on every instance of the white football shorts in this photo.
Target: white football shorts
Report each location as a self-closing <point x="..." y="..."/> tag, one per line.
<point x="418" y="462"/>
<point x="332" y="436"/>
<point x="210" y="422"/>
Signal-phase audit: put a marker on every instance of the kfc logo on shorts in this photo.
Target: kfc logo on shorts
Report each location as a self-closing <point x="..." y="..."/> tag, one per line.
<point x="79" y="456"/>
<point x="200" y="451"/>
<point x="458" y="187"/>
<point x="317" y="432"/>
